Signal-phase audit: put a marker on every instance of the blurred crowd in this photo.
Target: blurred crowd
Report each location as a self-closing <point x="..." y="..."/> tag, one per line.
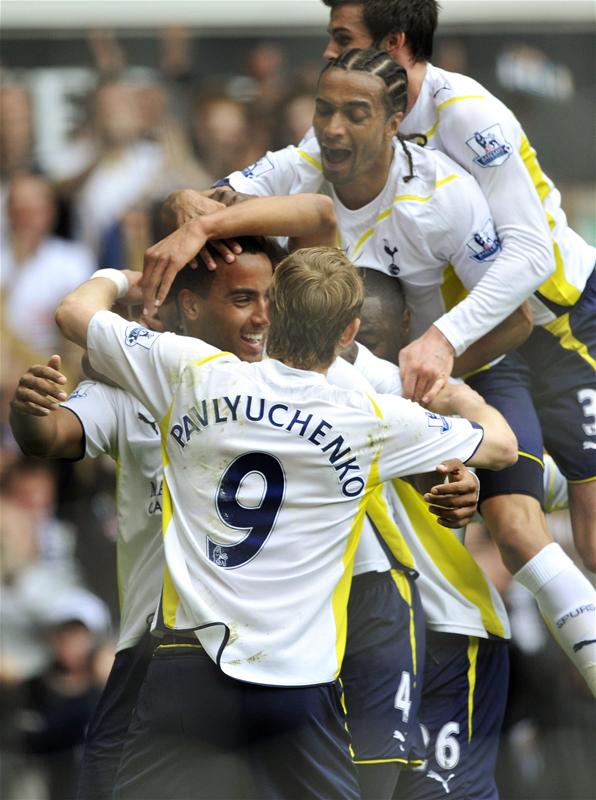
<point x="92" y="201"/>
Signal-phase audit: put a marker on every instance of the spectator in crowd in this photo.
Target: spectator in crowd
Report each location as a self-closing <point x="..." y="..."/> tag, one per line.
<point x="61" y="699"/>
<point x="223" y="135"/>
<point x="112" y="167"/>
<point x="37" y="267"/>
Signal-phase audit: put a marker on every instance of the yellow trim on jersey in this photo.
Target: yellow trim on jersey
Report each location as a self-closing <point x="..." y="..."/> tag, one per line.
<point x="472" y="660"/>
<point x="382" y="518"/>
<point x="450" y="557"/>
<point x="405" y="590"/>
<point x="583" y="480"/>
<point x="170" y="599"/>
<point x="556" y="288"/>
<point x="561" y="328"/>
<point x="399" y="198"/>
<point x="452" y="289"/>
<point x="311" y="159"/>
<point x="531" y="457"/>
<point x="528" y="156"/>
<point x="341" y="593"/>
<point x="206" y="360"/>
<point x="441" y="106"/>
<point x="443" y="181"/>
<point x="196" y="646"/>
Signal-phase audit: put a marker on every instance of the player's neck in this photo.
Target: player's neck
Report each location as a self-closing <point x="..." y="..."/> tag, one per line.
<point x="360" y="192"/>
<point x="294" y="365"/>
<point x="416" y="76"/>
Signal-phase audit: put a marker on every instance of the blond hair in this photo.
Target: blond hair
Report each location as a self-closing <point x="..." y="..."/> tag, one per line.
<point x="316" y="292"/>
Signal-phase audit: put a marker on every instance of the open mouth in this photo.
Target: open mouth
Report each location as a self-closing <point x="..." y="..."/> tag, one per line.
<point x="254" y="340"/>
<point x="335" y="156"/>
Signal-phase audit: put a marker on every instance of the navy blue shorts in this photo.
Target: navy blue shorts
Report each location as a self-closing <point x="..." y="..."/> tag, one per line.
<point x="547" y="392"/>
<point x="463" y="704"/>
<point x="109" y="724"/>
<point x="506" y="386"/>
<point x="198" y="733"/>
<point x="383" y="666"/>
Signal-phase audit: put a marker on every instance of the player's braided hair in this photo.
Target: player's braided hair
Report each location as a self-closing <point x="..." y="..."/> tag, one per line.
<point x="395" y="78"/>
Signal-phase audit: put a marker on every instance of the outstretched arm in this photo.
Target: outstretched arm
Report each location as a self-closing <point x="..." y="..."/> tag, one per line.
<point x="307" y="218"/>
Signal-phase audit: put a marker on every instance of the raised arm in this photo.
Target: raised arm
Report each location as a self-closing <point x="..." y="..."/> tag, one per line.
<point x="100" y="292"/>
<point x="307" y="218"/>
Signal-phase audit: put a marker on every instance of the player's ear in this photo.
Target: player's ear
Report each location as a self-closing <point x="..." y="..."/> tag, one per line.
<point x="393" y="43"/>
<point x="190" y="304"/>
<point x="393" y="123"/>
<point x="349" y="333"/>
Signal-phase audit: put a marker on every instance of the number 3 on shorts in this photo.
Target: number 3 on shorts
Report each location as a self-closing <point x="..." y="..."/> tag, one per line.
<point x="257" y="520"/>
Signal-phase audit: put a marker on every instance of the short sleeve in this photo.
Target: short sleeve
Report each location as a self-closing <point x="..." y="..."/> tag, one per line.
<point x="418" y="439"/>
<point x="96" y="407"/>
<point x="145" y="363"/>
<point x="281" y="172"/>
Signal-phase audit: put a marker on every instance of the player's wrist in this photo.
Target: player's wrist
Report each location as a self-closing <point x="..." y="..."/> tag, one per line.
<point x="117" y="277"/>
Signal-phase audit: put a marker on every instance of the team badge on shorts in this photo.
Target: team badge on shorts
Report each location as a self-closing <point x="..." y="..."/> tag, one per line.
<point x="485" y="243"/>
<point x="260" y="167"/>
<point x="490" y="146"/>
<point x="135" y="334"/>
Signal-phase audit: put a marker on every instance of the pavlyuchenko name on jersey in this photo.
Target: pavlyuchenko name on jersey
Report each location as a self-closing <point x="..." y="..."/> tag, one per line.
<point x="490" y="146"/>
<point x="278" y="415"/>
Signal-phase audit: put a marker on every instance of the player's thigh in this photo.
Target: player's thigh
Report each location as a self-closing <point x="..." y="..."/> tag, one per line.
<point x="462" y="713"/>
<point x="186" y="734"/>
<point x="506" y="386"/>
<point x="564" y="392"/>
<point x="582" y="507"/>
<point x="299" y="745"/>
<point x="383" y="666"/>
<point x="109" y="724"/>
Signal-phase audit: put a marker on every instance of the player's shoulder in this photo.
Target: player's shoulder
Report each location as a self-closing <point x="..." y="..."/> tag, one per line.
<point x="436" y="180"/>
<point x="463" y="103"/>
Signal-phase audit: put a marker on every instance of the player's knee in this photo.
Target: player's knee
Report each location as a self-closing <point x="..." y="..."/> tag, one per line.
<point x="585" y="543"/>
<point x="518" y="527"/>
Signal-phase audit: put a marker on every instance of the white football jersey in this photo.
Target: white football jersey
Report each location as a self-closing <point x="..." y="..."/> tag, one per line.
<point x="267" y="471"/>
<point x="465" y="121"/>
<point x="120" y="426"/>
<point x="434" y="232"/>
<point x="456" y="595"/>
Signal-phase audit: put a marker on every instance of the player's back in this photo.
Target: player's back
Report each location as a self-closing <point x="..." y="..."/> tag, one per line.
<point x="463" y="119"/>
<point x="267" y="469"/>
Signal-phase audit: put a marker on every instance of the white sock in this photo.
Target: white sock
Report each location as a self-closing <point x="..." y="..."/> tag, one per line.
<point x="567" y="602"/>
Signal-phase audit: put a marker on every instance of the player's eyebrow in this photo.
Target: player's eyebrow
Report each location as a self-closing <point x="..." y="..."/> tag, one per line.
<point x="242" y="290"/>
<point x="349" y="104"/>
<point x="332" y="30"/>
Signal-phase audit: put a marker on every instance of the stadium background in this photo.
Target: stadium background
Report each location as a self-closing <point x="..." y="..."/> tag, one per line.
<point x="196" y="89"/>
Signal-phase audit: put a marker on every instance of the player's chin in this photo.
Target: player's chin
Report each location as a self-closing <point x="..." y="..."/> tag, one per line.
<point x="251" y="351"/>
